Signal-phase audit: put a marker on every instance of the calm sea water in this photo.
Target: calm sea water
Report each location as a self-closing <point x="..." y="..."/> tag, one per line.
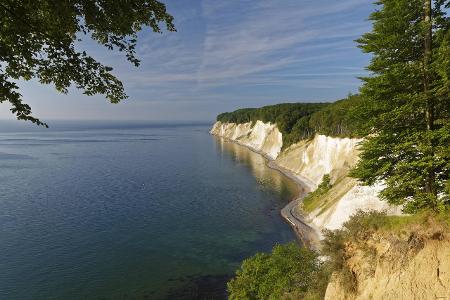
<point x="131" y="211"/>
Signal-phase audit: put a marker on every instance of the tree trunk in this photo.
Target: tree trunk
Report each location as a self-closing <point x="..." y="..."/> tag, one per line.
<point x="428" y="39"/>
<point x="429" y="111"/>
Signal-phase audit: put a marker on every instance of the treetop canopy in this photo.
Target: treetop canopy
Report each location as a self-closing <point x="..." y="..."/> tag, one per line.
<point x="37" y="40"/>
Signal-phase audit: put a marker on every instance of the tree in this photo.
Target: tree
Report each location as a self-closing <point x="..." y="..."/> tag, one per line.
<point x="289" y="269"/>
<point x="409" y="95"/>
<point x="37" y="40"/>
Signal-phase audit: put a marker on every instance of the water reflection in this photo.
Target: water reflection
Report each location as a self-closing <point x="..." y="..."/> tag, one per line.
<point x="266" y="177"/>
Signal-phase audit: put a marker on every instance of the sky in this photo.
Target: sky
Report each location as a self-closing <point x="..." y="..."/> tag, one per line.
<point x="225" y="55"/>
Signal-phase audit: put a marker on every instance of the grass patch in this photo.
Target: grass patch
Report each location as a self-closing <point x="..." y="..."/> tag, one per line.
<point x="326" y="195"/>
<point x="398" y="224"/>
<point x="339" y="189"/>
<point x="310" y="201"/>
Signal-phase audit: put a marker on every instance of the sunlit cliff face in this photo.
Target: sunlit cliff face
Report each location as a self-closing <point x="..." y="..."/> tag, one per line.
<point x="262" y="137"/>
<point x="322" y="155"/>
<point x="309" y="161"/>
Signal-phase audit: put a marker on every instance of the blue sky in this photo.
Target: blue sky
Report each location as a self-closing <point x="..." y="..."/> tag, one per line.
<point x="226" y="55"/>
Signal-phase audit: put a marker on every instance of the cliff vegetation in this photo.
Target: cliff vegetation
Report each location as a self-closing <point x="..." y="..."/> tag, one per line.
<point x="288" y="272"/>
<point x="373" y="256"/>
<point x="298" y="121"/>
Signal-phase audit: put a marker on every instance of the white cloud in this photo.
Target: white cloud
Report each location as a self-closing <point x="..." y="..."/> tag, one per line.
<point x="247" y="38"/>
<point x="269" y="35"/>
<point x="234" y="49"/>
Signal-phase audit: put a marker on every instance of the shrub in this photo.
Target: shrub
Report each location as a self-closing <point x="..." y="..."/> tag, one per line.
<point x="288" y="271"/>
<point x="358" y="228"/>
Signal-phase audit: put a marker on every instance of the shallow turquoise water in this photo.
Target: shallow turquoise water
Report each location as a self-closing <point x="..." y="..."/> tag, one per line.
<point x="131" y="211"/>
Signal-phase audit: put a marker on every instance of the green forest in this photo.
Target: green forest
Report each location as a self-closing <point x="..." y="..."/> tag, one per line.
<point x="297" y="121"/>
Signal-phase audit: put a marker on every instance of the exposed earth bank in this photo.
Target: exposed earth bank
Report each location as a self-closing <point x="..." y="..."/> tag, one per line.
<point x="408" y="264"/>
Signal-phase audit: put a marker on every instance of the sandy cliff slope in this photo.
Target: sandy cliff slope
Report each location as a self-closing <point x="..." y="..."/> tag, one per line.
<point x="394" y="266"/>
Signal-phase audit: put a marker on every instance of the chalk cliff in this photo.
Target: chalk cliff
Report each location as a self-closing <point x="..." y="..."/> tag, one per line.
<point x="309" y="161"/>
<point x="264" y="138"/>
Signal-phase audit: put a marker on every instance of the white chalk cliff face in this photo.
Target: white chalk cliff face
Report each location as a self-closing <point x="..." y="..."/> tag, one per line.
<point x="263" y="138"/>
<point x="309" y="161"/>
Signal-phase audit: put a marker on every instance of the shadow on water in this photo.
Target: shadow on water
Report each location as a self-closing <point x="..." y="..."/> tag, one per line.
<point x="211" y="287"/>
<point x="196" y="287"/>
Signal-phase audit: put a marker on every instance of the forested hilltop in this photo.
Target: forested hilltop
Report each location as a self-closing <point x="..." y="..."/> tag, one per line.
<point x="297" y="121"/>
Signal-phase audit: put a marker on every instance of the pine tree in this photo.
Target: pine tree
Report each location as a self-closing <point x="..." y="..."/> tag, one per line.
<point x="408" y="99"/>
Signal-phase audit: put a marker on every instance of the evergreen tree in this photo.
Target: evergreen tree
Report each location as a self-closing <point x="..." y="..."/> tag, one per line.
<point x="408" y="93"/>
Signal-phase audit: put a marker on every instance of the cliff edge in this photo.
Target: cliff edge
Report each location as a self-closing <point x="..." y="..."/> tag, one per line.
<point x="411" y="263"/>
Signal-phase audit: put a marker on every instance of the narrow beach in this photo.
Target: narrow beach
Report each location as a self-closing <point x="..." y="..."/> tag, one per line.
<point x="308" y="234"/>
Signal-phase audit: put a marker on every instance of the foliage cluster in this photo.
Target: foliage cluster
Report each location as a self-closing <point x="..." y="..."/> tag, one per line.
<point x="341" y="118"/>
<point x="408" y="103"/>
<point x="299" y="121"/>
<point x="288" y="272"/>
<point x="37" y="40"/>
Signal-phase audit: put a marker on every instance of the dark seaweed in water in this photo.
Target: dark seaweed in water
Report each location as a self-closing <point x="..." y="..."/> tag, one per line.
<point x="207" y="287"/>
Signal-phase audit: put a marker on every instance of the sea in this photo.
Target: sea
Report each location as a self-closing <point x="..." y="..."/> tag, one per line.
<point x="131" y="210"/>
